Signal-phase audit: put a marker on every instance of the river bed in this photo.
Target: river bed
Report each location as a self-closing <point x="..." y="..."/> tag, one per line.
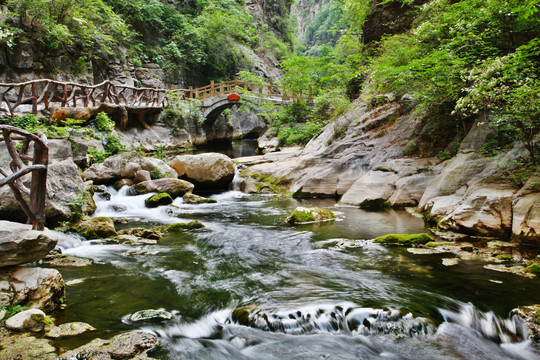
<point x="316" y="291"/>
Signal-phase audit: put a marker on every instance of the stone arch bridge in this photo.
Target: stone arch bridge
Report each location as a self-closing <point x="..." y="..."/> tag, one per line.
<point x="82" y="101"/>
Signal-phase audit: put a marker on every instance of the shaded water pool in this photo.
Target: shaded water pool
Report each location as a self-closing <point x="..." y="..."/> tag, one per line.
<point x="249" y="287"/>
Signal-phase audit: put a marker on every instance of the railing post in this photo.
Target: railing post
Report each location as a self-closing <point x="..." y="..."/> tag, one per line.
<point x="34" y="99"/>
<point x="191" y="92"/>
<point x="38" y="191"/>
<point x="212" y="88"/>
<point x="235" y="81"/>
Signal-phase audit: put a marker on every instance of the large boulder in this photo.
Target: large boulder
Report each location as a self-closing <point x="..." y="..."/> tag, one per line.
<point x="126" y="165"/>
<point x="19" y="244"/>
<point x="36" y="288"/>
<point x="484" y="210"/>
<point x="67" y="195"/>
<point x="173" y="187"/>
<point x="207" y="171"/>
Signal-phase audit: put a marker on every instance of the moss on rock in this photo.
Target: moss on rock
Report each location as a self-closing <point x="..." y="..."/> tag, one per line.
<point x="302" y="215"/>
<point x="193" y="199"/>
<point x="377" y="204"/>
<point x="158" y="200"/>
<point x="404" y="239"/>
<point x="533" y="268"/>
<point x="95" y="228"/>
<point x="183" y="226"/>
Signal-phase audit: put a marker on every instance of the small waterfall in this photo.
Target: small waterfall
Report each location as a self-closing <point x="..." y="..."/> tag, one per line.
<point x="124" y="204"/>
<point x="238" y="179"/>
<point x="68" y="241"/>
<point x="487" y="324"/>
<point x="346" y="319"/>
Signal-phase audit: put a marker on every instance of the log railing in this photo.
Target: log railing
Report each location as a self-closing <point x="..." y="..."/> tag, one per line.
<point x="35" y="212"/>
<point x="68" y="94"/>
<point x="47" y="92"/>
<point x="233" y="86"/>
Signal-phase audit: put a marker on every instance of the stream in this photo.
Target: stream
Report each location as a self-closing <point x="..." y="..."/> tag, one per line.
<point x="250" y="287"/>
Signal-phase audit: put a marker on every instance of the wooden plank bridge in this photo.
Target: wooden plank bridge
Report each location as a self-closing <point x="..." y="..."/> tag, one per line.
<point x="45" y="94"/>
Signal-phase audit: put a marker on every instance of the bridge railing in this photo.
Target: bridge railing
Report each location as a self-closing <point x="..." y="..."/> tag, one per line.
<point x="44" y="93"/>
<point x="47" y="92"/>
<point x="233" y="86"/>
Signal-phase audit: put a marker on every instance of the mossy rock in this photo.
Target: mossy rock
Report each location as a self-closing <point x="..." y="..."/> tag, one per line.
<point x="374" y="205"/>
<point x="178" y="227"/>
<point x="302" y="215"/>
<point x="155" y="233"/>
<point x="158" y="200"/>
<point x="503" y="257"/>
<point x="241" y="315"/>
<point x="536" y="317"/>
<point x="404" y="239"/>
<point x="534" y="268"/>
<point x="196" y="199"/>
<point x="96" y="228"/>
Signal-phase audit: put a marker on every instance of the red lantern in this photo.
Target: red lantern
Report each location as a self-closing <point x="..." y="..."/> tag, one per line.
<point x="233" y="97"/>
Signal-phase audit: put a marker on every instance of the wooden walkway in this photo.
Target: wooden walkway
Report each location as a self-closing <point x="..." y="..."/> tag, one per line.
<point x="44" y="94"/>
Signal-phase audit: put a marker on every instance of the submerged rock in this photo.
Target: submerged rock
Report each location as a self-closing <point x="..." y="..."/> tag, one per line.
<point x="173" y="187"/>
<point x="193" y="199"/>
<point x="69" y="329"/>
<point x="19" y="244"/>
<point x="207" y="171"/>
<point x="302" y="215"/>
<point x="151" y="314"/>
<point x="69" y="261"/>
<point x="29" y="320"/>
<point x="96" y="228"/>
<point x="158" y="200"/>
<point x="131" y="345"/>
<point x="35" y="287"/>
<point x="404" y="239"/>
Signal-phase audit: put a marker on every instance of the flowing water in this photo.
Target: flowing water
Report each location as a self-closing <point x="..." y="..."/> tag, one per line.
<point x="249" y="287"/>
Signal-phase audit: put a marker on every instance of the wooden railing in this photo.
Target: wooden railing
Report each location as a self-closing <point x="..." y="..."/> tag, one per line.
<point x="67" y="94"/>
<point x="234" y="86"/>
<point x="35" y="212"/>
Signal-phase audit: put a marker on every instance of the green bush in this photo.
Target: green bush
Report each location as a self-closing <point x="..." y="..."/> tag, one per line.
<point x="298" y="135"/>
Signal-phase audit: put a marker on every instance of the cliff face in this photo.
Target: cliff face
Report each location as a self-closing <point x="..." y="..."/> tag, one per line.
<point x="27" y="56"/>
<point x="364" y="159"/>
<point x="309" y="15"/>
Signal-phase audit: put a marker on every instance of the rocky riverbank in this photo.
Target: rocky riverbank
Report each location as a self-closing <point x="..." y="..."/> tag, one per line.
<point x="364" y="159"/>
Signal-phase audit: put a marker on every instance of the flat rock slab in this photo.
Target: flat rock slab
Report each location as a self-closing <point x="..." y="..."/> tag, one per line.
<point x="124" y="346"/>
<point x="19" y="244"/>
<point x="69" y="329"/>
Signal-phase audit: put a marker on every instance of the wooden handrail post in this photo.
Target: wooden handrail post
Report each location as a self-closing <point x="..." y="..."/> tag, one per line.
<point x="191" y="92"/>
<point x="212" y="88"/>
<point x="34" y="99"/>
<point x="38" y="191"/>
